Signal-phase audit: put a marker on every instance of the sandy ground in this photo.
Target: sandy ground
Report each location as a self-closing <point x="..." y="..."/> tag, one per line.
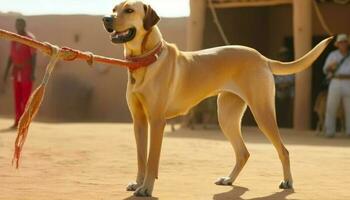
<point x="96" y="161"/>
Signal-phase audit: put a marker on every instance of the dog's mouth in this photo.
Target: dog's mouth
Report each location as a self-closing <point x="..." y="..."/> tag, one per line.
<point x="124" y="36"/>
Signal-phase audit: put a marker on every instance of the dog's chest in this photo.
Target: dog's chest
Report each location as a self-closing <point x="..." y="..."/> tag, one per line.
<point x="132" y="79"/>
<point x="136" y="77"/>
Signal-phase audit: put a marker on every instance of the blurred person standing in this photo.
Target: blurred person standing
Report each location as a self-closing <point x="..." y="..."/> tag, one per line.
<point x="337" y="69"/>
<point x="22" y="59"/>
<point x="284" y="91"/>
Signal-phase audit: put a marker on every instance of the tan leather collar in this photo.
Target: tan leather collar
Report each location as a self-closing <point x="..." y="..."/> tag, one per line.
<point x="146" y="59"/>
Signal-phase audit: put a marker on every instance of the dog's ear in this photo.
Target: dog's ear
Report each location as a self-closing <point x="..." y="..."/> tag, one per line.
<point x="151" y="17"/>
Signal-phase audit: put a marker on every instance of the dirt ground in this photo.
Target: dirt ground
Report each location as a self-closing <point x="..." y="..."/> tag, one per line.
<point x="96" y="161"/>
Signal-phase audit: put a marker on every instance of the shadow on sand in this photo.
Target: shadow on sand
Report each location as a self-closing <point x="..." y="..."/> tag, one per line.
<point x="254" y="135"/>
<point x="236" y="192"/>
<point x="140" y="198"/>
<point x="8" y="130"/>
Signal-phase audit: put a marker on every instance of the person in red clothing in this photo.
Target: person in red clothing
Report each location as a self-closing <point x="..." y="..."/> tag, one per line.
<point x="22" y="59"/>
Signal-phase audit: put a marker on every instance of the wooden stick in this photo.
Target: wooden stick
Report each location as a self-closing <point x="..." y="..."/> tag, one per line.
<point x="68" y="53"/>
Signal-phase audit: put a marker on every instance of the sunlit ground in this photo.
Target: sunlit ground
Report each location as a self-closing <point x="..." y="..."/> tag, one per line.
<point x="96" y="161"/>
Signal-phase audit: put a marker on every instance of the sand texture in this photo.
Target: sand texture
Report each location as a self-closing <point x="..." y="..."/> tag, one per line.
<point x="96" y="161"/>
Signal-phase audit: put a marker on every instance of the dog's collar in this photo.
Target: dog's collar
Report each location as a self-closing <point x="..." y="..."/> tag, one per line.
<point x="145" y="59"/>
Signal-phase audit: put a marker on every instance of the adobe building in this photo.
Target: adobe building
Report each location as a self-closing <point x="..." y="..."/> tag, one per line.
<point x="269" y="25"/>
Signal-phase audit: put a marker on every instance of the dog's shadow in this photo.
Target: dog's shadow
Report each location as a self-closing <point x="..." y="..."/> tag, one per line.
<point x="236" y="192"/>
<point x="141" y="198"/>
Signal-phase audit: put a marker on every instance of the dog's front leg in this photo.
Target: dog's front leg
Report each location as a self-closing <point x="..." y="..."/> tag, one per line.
<point x="157" y="130"/>
<point x="141" y="137"/>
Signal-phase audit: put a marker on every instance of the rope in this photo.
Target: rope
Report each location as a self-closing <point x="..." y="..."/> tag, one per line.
<point x="217" y="22"/>
<point x="321" y="18"/>
<point x="54" y="58"/>
<point x="33" y="105"/>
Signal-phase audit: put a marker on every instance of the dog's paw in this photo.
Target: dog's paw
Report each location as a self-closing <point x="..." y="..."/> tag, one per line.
<point x="286" y="185"/>
<point x="224" y="181"/>
<point x="132" y="186"/>
<point x="143" y="191"/>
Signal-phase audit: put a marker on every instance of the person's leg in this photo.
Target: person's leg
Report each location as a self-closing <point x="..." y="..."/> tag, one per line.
<point x="346" y="104"/>
<point x="17" y="99"/>
<point x="333" y="101"/>
<point x="26" y="91"/>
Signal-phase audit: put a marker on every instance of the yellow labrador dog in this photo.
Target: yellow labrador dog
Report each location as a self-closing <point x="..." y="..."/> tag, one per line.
<point x="179" y="80"/>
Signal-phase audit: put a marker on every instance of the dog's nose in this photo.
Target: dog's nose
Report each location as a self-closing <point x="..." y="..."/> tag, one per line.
<point x="108" y="23"/>
<point x="107" y="20"/>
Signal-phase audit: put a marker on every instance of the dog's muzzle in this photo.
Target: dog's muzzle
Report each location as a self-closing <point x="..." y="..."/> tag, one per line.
<point x="118" y="36"/>
<point x="108" y="23"/>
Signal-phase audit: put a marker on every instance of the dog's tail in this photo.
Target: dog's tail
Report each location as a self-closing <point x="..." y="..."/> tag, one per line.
<point x="286" y="68"/>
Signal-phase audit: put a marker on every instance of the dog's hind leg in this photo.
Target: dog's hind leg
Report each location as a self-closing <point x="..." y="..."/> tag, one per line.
<point x="230" y="111"/>
<point x="263" y="109"/>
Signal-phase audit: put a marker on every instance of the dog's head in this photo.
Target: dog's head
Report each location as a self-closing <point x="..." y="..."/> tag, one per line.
<point x="129" y="20"/>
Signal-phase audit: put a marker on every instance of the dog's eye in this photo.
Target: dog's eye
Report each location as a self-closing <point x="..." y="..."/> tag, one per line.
<point x="128" y="10"/>
<point x="114" y="10"/>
